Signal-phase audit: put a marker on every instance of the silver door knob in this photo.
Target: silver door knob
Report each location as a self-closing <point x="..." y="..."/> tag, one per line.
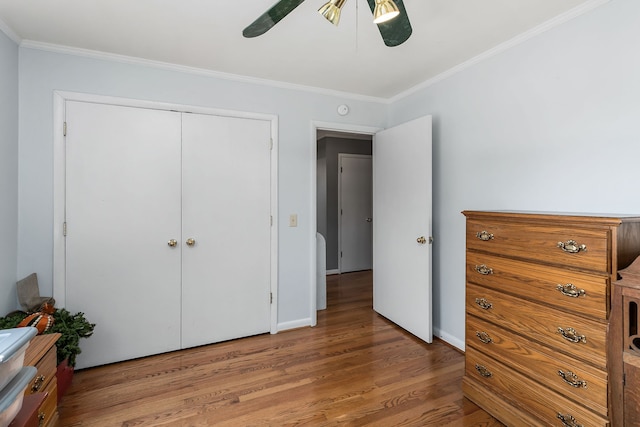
<point x="369" y="219"/>
<point x="191" y="242"/>
<point x="172" y="243"/>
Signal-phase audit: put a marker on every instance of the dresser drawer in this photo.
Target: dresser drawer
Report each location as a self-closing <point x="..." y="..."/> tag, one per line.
<point x="584" y="248"/>
<point x="529" y="395"/>
<point x="46" y="372"/>
<point x="576" y="336"/>
<point x="589" y="386"/>
<point x="582" y="293"/>
<point x="49" y="408"/>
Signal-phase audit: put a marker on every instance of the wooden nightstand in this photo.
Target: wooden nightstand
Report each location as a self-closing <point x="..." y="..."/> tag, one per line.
<point x="41" y="353"/>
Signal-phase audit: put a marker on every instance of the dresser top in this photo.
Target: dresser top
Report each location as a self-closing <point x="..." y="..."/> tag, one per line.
<point x="38" y="347"/>
<point x="560" y="216"/>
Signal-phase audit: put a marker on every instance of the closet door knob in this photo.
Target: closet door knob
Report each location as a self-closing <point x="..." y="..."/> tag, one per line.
<point x="172" y="243"/>
<point x="191" y="242"/>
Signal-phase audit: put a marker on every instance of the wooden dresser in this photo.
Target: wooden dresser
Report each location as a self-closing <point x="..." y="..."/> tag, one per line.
<point x="41" y="353"/>
<point x="537" y="307"/>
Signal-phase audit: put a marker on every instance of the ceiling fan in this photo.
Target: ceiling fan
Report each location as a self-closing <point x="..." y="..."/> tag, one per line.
<point x="390" y="16"/>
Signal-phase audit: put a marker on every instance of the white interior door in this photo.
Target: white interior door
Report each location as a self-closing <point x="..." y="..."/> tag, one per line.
<point x="355" y="216"/>
<point x="402" y="219"/>
<point x="120" y="271"/>
<point x="226" y="211"/>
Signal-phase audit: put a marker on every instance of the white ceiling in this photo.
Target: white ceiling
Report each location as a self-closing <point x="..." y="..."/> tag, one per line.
<point x="303" y="49"/>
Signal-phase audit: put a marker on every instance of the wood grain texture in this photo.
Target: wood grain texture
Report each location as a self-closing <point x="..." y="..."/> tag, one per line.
<point x="539" y="283"/>
<point x="513" y="299"/>
<point x="542" y="363"/>
<point x="354" y="368"/>
<point x="527" y="394"/>
<point x="541" y="324"/>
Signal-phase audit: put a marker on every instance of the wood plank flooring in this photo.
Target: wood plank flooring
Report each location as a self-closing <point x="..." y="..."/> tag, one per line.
<point x="355" y="368"/>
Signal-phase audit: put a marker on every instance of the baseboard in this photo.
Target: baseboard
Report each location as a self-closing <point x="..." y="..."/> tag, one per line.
<point x="294" y="324"/>
<point x="449" y="339"/>
<point x="332" y="272"/>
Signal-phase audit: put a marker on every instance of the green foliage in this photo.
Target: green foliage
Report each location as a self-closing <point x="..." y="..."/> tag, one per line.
<point x="11" y="320"/>
<point x="72" y="327"/>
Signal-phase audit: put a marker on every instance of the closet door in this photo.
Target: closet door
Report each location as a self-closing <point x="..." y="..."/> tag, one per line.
<point x="226" y="213"/>
<point x="123" y="184"/>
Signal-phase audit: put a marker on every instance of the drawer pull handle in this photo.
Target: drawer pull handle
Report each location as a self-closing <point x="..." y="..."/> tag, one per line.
<point x="484" y="337"/>
<point x="483" y="371"/>
<point x="484" y="235"/>
<point x="484" y="270"/>
<point x="483" y="303"/>
<point x="568" y="420"/>
<point x="572" y="379"/>
<point x="572" y="247"/>
<point x="571" y="335"/>
<point x="37" y="383"/>
<point x="41" y="417"/>
<point x="570" y="290"/>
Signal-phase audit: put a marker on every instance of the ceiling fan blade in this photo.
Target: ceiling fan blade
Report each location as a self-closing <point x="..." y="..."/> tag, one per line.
<point x="396" y="31"/>
<point x="271" y="17"/>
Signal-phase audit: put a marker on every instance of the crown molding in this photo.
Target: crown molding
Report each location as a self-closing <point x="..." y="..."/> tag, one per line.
<point x="519" y="39"/>
<point x="552" y="23"/>
<point x="105" y="56"/>
<point x="9" y="32"/>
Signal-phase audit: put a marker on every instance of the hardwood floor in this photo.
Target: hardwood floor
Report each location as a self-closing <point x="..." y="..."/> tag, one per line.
<point x="354" y="368"/>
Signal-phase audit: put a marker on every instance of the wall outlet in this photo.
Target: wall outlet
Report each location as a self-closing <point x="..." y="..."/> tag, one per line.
<point x="293" y="220"/>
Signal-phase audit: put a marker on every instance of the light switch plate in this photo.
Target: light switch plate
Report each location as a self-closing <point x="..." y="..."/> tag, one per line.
<point x="293" y="220"/>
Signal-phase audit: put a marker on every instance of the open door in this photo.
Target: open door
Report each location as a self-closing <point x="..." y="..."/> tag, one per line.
<point x="402" y="212"/>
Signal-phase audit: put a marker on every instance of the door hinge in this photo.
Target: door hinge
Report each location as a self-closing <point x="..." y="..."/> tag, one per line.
<point x="340" y="254"/>
<point x="64" y="128"/>
<point x="271" y="220"/>
<point x="270" y="297"/>
<point x="64" y="228"/>
<point x="340" y="169"/>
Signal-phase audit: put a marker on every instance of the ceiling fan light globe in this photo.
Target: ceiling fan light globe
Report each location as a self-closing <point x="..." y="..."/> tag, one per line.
<point x="331" y="11"/>
<point x="384" y="11"/>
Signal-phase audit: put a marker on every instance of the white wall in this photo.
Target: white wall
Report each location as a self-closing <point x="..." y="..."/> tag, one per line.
<point x="42" y="72"/>
<point x="8" y="173"/>
<point x="552" y="124"/>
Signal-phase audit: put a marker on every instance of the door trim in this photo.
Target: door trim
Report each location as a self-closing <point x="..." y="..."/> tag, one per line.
<point x="313" y="167"/>
<point x="59" y="168"/>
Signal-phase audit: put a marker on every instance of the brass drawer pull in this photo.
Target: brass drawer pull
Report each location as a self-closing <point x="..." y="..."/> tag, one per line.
<point x="568" y="420"/>
<point x="572" y="379"/>
<point x="570" y="290"/>
<point x="484" y="337"/>
<point x="483" y="303"/>
<point x="41" y="418"/>
<point x="571" y="335"/>
<point x="484" y="270"/>
<point x="572" y="247"/>
<point x="483" y="371"/>
<point x="484" y="235"/>
<point x="37" y="383"/>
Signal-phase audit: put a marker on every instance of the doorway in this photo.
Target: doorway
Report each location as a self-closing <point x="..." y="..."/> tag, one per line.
<point x="330" y="145"/>
<point x="401" y="211"/>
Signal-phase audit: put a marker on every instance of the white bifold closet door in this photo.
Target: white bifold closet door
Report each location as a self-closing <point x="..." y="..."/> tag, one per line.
<point x="138" y="180"/>
<point x="226" y="211"/>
